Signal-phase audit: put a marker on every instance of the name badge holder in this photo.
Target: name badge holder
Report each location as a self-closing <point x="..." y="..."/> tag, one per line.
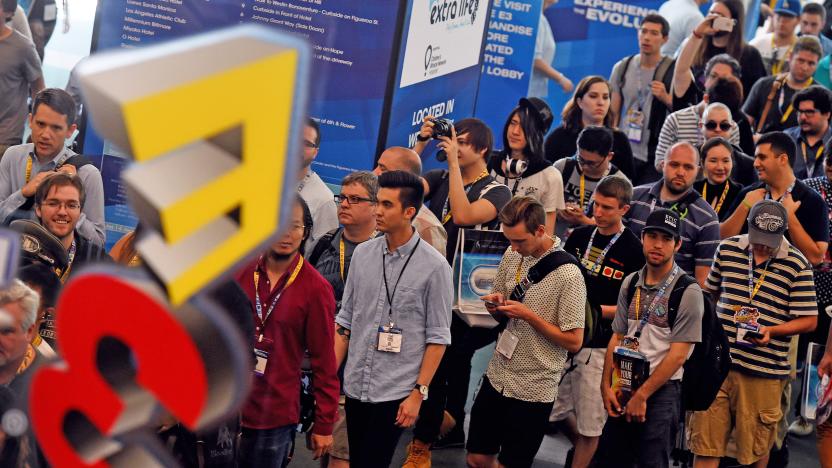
<point x="632" y="342"/>
<point x="507" y="343"/>
<point x="389" y="336"/>
<point x="746" y="318"/>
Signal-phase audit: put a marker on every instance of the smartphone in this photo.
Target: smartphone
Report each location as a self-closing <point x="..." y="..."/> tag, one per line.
<point x="724" y="24"/>
<point x="491" y="303"/>
<point x="753" y="334"/>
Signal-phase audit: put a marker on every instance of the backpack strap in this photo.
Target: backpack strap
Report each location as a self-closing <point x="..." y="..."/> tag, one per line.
<point x="661" y="70"/>
<point x="321" y="246"/>
<point x="676" y="297"/>
<point x="541" y="270"/>
<point x="622" y="77"/>
<point x="631" y="288"/>
<point x="569" y="166"/>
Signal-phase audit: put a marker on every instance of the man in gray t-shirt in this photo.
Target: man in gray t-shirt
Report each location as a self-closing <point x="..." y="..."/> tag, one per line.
<point x="20" y="77"/>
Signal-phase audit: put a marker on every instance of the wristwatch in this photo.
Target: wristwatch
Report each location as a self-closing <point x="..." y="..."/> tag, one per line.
<point x="423" y="389"/>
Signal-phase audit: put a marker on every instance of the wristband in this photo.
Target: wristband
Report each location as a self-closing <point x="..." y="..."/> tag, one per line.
<point x="419" y="137"/>
<point x="746" y="204"/>
<point x="698" y="35"/>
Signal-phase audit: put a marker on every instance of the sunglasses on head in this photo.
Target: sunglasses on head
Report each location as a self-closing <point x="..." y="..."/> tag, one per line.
<point x="724" y="126"/>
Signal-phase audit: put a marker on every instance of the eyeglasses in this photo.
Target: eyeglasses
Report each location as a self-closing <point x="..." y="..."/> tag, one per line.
<point x="309" y="144"/>
<point x="807" y="112"/>
<point x="297" y="227"/>
<point x="56" y="205"/>
<point x="587" y="163"/>
<point x="352" y="199"/>
<point x="724" y="126"/>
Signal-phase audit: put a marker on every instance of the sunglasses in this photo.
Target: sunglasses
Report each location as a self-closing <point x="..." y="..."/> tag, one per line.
<point x="724" y="126"/>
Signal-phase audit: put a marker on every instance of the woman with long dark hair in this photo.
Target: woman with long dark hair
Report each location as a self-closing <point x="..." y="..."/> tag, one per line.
<point x="520" y="165"/>
<point x="710" y="39"/>
<point x="589" y="106"/>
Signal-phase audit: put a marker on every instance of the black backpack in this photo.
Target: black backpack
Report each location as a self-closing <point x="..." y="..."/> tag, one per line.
<point x="548" y="264"/>
<point x="708" y="365"/>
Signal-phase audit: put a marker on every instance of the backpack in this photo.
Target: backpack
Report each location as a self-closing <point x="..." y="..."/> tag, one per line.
<point x="708" y="364"/>
<point x="548" y="264"/>
<point x="321" y="246"/>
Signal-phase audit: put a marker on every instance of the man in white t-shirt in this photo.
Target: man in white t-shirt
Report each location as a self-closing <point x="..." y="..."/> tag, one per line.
<point x="313" y="190"/>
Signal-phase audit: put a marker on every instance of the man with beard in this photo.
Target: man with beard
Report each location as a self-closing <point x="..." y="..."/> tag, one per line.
<point x="812" y="134"/>
<point x="700" y="225"/>
<point x="313" y="190"/>
<point x="294" y="309"/>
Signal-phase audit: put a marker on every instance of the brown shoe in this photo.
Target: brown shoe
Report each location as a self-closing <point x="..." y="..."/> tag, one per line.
<point x="418" y="455"/>
<point x="448" y="423"/>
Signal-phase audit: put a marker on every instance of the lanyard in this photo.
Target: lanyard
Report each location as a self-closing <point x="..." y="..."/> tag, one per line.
<point x="810" y="169"/>
<point x="517" y="273"/>
<point x="776" y="67"/>
<point x="674" y="207"/>
<point x="600" y="259"/>
<point x="258" y="306"/>
<point x="716" y="205"/>
<point x="655" y="301"/>
<point x="446" y="210"/>
<point x="754" y="288"/>
<point x="29" y="168"/>
<point x="787" y="192"/>
<point x="789" y="109"/>
<point x="583" y="184"/>
<point x="70" y="258"/>
<point x="389" y="296"/>
<point x="342" y="254"/>
<point x="302" y="183"/>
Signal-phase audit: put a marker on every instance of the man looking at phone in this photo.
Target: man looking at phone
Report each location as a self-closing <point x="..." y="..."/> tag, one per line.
<point x="545" y="320"/>
<point x="581" y="174"/>
<point x="765" y="294"/>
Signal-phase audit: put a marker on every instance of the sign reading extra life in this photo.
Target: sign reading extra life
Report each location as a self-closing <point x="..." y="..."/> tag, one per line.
<point x="507" y="60"/>
<point x="444" y="36"/>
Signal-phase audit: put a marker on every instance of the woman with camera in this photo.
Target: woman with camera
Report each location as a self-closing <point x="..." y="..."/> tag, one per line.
<point x="589" y="106"/>
<point x="721" y="32"/>
<point x="521" y="165"/>
<point x="717" y="188"/>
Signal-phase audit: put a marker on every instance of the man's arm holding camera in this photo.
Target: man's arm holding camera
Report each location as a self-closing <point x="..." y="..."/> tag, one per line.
<point x="463" y="212"/>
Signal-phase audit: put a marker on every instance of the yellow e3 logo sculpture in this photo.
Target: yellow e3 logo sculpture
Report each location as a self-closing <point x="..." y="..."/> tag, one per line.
<point x="214" y="136"/>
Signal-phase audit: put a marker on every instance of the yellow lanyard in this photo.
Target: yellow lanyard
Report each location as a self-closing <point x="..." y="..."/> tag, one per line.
<point x="517" y="274"/>
<point x="817" y="155"/>
<point x="291" y="280"/>
<point x="28" y="168"/>
<point x="716" y="205"/>
<point x="790" y="109"/>
<point x="583" y="184"/>
<point x="753" y="292"/>
<point x="775" y="68"/>
<point x="638" y="301"/>
<point x="447" y="216"/>
<point x="341" y="255"/>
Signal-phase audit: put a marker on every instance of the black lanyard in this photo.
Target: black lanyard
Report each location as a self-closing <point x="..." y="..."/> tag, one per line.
<point x="389" y="296"/>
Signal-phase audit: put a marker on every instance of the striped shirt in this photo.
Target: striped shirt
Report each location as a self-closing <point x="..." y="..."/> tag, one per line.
<point x="700" y="225"/>
<point x="786" y="291"/>
<point x="683" y="125"/>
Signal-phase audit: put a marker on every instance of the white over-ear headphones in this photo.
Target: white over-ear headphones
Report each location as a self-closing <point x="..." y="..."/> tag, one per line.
<point x="515" y="167"/>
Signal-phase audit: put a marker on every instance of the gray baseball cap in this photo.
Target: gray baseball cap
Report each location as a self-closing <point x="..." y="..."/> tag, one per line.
<point x="767" y="223"/>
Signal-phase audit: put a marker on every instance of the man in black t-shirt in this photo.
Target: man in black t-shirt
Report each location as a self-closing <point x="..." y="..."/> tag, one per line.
<point x="463" y="196"/>
<point x="802" y="64"/>
<point x="608" y="253"/>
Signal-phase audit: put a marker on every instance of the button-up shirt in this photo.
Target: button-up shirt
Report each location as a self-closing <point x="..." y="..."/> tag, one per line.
<point x="13" y="178"/>
<point x="301" y="321"/>
<point x="421" y="308"/>
<point x="808" y="161"/>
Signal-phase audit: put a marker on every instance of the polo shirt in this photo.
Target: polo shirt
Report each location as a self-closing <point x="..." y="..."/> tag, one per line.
<point x="533" y="372"/>
<point x="700" y="225"/>
<point x="787" y="291"/>
<point x="808" y="161"/>
<point x="812" y="212"/>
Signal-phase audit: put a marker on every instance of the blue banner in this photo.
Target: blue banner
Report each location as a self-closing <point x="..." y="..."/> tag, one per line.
<point x="507" y="60"/>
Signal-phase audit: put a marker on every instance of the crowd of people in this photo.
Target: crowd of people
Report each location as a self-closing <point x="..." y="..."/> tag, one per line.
<point x="691" y="188"/>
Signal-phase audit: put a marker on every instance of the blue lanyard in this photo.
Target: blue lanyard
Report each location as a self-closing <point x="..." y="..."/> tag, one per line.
<point x="655" y="301"/>
<point x="600" y="259"/>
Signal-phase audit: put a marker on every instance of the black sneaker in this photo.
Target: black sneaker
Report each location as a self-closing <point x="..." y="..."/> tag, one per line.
<point x="454" y="439"/>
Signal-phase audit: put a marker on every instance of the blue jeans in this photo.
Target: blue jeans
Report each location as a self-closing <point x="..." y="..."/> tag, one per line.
<point x="646" y="444"/>
<point x="266" y="448"/>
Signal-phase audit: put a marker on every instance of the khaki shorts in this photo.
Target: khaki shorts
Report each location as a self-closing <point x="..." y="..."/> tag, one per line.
<point x="754" y="404"/>
<point x="579" y="394"/>
<point x="340" y="445"/>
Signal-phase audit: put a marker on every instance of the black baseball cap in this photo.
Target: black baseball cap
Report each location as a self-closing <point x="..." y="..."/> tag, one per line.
<point x="540" y="110"/>
<point x="664" y="220"/>
<point x="39" y="245"/>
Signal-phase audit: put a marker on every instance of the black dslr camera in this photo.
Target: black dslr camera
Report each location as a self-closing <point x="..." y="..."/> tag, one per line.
<point x="441" y="127"/>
